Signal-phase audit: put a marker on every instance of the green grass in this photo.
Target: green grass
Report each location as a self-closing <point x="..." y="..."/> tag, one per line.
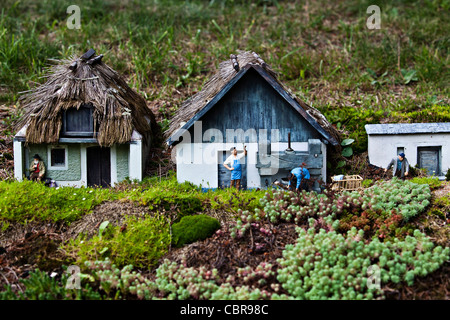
<point x="324" y="52"/>
<point x="143" y="242"/>
<point x="433" y="182"/>
<point x="29" y="201"/>
<point x="189" y="198"/>
<point x="163" y="46"/>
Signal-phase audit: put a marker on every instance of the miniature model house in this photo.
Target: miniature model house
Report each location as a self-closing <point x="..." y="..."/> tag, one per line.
<point x="89" y="127"/>
<point x="244" y="104"/>
<point x="426" y="145"/>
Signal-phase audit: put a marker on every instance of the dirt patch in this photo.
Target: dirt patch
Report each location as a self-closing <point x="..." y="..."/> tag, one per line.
<point x="435" y="286"/>
<point x="226" y="254"/>
<point x="37" y="249"/>
<point x="444" y="190"/>
<point x="436" y="222"/>
<point x="18" y="231"/>
<point x="113" y="211"/>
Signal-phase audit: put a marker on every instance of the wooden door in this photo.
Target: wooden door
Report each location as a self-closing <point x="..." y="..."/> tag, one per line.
<point x="98" y="167"/>
<point x="428" y="158"/>
<point x="224" y="177"/>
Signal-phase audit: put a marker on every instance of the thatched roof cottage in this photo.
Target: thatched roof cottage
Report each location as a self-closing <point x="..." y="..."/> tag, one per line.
<point x="245" y="104"/>
<point x="89" y="127"/>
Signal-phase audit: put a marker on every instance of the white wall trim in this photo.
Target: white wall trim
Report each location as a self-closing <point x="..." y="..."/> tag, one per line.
<point x="324" y="165"/>
<point x="76" y="184"/>
<point x="18" y="160"/>
<point x="135" y="161"/>
<point x="83" y="163"/>
<point x="113" y="165"/>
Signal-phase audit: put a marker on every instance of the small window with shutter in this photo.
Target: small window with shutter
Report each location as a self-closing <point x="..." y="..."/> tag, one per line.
<point x="79" y="122"/>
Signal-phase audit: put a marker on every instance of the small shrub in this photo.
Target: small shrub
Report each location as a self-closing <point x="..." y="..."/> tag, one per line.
<point x="40" y="286"/>
<point x="433" y="182"/>
<point x="176" y="281"/>
<point x="441" y="206"/>
<point x="118" y="283"/>
<point x="447" y="175"/>
<point x="367" y="183"/>
<point x="193" y="228"/>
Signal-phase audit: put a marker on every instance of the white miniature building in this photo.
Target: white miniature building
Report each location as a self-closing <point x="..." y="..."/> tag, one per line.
<point x="426" y="145"/>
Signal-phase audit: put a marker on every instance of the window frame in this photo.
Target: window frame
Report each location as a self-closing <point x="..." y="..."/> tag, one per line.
<point x="79" y="133"/>
<point x="66" y="159"/>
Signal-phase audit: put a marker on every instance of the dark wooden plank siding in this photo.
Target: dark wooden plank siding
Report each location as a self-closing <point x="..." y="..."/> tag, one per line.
<point x="253" y="103"/>
<point x="98" y="166"/>
<point x="428" y="158"/>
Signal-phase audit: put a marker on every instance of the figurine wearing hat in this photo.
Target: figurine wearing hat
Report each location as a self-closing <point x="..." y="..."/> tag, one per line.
<point x="400" y="166"/>
<point x="37" y="168"/>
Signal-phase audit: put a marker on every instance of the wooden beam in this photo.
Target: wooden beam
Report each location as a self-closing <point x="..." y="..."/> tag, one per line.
<point x="88" y="55"/>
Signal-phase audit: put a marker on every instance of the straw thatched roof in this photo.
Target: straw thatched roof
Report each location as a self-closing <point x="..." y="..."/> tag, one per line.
<point x="118" y="110"/>
<point x="227" y="71"/>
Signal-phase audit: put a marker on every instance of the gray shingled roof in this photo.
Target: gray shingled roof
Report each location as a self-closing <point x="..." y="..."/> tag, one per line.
<point x="408" y="128"/>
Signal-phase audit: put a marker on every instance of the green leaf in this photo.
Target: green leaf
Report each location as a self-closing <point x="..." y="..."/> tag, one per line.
<point x="347" y="142"/>
<point x="347" y="152"/>
<point x="302" y="73"/>
<point x="340" y="164"/>
<point x="104" y="250"/>
<point x="89" y="277"/>
<point x="372" y="73"/>
<point x="409" y="75"/>
<point x="102" y="227"/>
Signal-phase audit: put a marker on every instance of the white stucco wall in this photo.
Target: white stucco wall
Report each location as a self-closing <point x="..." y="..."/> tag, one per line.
<point x="198" y="163"/>
<point x="382" y="148"/>
<point x="135" y="164"/>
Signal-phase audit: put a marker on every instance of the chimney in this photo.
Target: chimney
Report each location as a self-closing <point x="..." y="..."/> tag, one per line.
<point x="289" y="149"/>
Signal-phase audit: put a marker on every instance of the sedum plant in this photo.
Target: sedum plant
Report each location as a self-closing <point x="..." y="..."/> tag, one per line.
<point x="329" y="265"/>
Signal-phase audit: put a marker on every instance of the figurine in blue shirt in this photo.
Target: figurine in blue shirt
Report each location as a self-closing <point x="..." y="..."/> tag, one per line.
<point x="301" y="176"/>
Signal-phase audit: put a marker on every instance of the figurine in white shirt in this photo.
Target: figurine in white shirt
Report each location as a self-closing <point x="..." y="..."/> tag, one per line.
<point x="233" y="163"/>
